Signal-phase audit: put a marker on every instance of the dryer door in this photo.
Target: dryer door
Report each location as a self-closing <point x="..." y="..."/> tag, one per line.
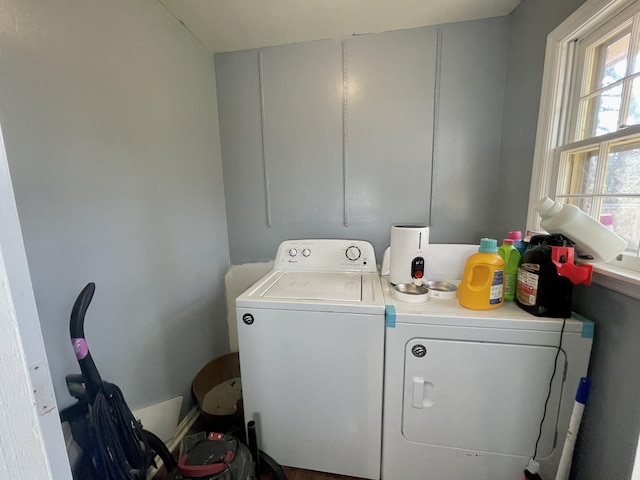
<point x="481" y="396"/>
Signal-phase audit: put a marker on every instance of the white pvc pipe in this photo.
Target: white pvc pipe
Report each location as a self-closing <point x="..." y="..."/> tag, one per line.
<point x="564" y="467"/>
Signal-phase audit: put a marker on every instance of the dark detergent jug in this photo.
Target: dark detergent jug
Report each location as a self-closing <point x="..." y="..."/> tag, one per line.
<point x="546" y="276"/>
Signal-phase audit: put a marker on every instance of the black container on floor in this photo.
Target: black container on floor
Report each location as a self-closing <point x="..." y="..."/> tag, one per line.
<point x="216" y="456"/>
<point x="546" y="277"/>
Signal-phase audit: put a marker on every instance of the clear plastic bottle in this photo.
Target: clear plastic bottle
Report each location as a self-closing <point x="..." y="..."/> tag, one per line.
<point x="589" y="236"/>
<point x="511" y="257"/>
<point x="482" y="286"/>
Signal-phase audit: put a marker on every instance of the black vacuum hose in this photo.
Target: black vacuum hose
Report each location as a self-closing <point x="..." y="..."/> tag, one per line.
<point x="161" y="450"/>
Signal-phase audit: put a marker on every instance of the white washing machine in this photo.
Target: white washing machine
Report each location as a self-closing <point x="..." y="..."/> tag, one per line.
<point x="465" y="390"/>
<point x="311" y="337"/>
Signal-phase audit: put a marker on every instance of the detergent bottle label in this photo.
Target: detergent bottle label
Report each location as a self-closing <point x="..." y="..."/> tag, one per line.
<point x="495" y="296"/>
<point x="527" y="289"/>
<point x="508" y="284"/>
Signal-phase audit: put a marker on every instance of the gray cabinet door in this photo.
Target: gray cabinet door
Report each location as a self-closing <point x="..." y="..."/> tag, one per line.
<point x="302" y="86"/>
<point x="390" y="100"/>
<point x="343" y="139"/>
<point x="238" y="90"/>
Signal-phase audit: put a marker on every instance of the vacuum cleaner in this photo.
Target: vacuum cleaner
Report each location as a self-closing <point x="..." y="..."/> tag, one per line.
<point x="114" y="444"/>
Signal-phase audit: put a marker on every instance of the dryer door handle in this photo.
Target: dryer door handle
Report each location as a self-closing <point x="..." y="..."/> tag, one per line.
<point x="422" y="393"/>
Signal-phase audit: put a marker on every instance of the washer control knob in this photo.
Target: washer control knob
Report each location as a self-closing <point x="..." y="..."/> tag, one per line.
<point x="293" y="252"/>
<point x="353" y="253"/>
<point x="306" y="252"/>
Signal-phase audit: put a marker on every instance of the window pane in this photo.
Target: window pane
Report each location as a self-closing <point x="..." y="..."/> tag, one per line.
<point x="583" y="203"/>
<point x="579" y="173"/>
<point x="624" y="216"/>
<point x="614" y="61"/>
<point x="622" y="174"/>
<point x="602" y="112"/>
<point x="634" y="106"/>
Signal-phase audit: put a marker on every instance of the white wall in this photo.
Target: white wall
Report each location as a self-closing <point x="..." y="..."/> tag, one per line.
<point x="31" y="442"/>
<point x="19" y="426"/>
<point x="110" y="121"/>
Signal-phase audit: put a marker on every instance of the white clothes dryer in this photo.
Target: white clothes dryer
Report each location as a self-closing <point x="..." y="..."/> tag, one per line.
<point x="465" y="390"/>
<point x="311" y="338"/>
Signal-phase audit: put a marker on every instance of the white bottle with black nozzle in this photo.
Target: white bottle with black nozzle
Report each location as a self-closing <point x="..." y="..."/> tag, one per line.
<point x="588" y="235"/>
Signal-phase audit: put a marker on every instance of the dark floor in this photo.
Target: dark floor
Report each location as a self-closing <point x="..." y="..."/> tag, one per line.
<point x="291" y="473"/>
<point x="299" y="474"/>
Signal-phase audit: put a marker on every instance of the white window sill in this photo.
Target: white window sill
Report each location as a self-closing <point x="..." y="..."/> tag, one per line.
<point x="618" y="279"/>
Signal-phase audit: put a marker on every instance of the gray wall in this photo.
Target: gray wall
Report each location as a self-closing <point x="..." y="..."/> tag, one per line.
<point x="531" y="22"/>
<point x="611" y="424"/>
<point x="301" y="159"/>
<point x="110" y="123"/>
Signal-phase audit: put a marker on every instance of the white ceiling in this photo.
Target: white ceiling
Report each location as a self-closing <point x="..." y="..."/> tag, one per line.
<point x="227" y="25"/>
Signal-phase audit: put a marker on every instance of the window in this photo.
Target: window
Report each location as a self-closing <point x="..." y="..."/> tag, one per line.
<point x="588" y="142"/>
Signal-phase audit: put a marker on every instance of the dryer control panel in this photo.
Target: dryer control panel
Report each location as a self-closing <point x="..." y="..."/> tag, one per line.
<point x="332" y="255"/>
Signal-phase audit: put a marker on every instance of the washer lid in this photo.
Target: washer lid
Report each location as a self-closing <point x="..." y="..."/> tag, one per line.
<point x="317" y="286"/>
<point x="316" y="291"/>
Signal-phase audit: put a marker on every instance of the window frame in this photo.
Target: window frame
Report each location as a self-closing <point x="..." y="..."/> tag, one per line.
<point x="554" y="124"/>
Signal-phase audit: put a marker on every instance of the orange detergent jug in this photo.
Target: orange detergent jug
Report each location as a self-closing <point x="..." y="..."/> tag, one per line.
<point x="482" y="286"/>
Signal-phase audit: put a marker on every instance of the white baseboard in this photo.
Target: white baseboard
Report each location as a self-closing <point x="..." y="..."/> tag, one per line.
<point x="181" y="430"/>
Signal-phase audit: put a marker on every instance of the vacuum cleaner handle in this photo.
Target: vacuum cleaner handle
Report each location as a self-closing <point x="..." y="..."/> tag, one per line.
<point x="92" y="379"/>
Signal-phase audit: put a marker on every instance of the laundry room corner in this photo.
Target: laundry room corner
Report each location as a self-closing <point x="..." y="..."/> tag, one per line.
<point x="227" y="176"/>
<point x="236" y="281"/>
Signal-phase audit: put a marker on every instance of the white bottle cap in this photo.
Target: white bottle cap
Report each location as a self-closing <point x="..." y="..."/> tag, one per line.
<point x="546" y="206"/>
<point x="533" y="466"/>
